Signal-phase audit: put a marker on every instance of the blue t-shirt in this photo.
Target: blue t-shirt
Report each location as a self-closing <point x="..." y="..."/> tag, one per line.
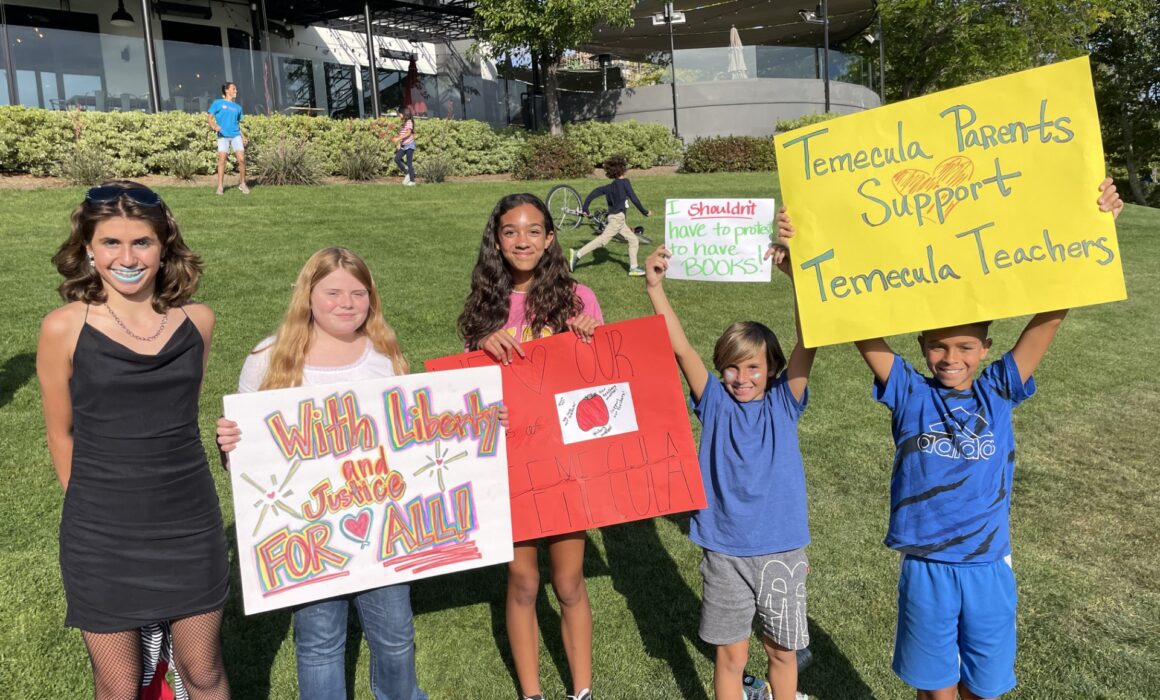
<point x="755" y="482"/>
<point x="950" y="493"/>
<point x="228" y="115"/>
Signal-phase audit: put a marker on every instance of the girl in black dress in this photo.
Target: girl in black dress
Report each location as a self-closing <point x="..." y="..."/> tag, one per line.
<point x="120" y="368"/>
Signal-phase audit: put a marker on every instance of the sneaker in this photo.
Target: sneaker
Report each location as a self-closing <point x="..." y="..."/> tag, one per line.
<point x="636" y="272"/>
<point x="805" y="657"/>
<point x="220" y="191"/>
<point x="406" y="179"/>
<point x="754" y="688"/>
<point x="573" y="260"/>
<point x="243" y="188"/>
<point x="585" y="694"/>
<point x="410" y="183"/>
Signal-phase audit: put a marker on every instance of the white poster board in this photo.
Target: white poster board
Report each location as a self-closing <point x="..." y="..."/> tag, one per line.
<point x="344" y="487"/>
<point x="719" y="240"/>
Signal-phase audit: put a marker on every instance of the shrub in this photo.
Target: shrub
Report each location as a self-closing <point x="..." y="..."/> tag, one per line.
<point x="729" y="154"/>
<point x="435" y="168"/>
<point x="185" y="164"/>
<point x="550" y="158"/>
<point x="643" y="145"/>
<point x="361" y="158"/>
<point x="804" y="120"/>
<point x="289" y="161"/>
<point x="87" y="164"/>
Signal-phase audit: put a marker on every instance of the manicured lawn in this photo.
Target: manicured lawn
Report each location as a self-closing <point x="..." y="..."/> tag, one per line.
<point x="1086" y="504"/>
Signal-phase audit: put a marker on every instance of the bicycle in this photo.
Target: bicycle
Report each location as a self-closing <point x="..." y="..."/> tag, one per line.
<point x="567" y="209"/>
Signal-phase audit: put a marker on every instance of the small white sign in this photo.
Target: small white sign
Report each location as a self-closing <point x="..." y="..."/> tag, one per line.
<point x="595" y="412"/>
<point x="719" y="240"/>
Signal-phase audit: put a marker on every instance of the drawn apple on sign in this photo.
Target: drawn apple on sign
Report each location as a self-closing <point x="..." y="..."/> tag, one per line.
<point x="591" y="412"/>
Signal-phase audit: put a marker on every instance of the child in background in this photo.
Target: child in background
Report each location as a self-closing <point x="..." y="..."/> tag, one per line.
<point x="950" y="499"/>
<point x="754" y="529"/>
<point x="617" y="193"/>
<point x="521" y="290"/>
<point x="405" y="146"/>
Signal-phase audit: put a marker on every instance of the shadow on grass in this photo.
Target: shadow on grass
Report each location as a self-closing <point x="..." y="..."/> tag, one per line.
<point x="15" y="373"/>
<point x="250" y="644"/>
<point x="665" y="608"/>
<point x="831" y="675"/>
<point x="489" y="586"/>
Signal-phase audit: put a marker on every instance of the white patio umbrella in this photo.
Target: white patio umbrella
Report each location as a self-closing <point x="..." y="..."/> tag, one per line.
<point x="737" y="69"/>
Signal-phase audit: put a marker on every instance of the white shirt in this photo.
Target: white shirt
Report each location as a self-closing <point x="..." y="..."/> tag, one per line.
<point x="371" y="365"/>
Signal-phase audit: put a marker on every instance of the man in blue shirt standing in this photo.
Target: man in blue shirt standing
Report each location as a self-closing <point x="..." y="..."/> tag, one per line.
<point x="225" y="117"/>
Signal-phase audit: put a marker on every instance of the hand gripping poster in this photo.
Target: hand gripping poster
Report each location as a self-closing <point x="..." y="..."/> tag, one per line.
<point x="341" y="488"/>
<point x="599" y="432"/>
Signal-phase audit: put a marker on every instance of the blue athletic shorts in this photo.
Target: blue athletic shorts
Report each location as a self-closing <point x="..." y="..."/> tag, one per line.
<point x="956" y="622"/>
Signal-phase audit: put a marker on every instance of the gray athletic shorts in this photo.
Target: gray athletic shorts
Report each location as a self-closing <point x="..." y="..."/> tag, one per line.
<point x="772" y="585"/>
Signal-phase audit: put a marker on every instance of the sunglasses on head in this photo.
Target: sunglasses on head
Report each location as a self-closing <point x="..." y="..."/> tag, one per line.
<point x="111" y="193"/>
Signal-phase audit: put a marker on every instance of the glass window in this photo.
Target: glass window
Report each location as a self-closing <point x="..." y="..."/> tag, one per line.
<point x="195" y="65"/>
<point x="297" y="83"/>
<point x="340" y="92"/>
<point x="390" y="90"/>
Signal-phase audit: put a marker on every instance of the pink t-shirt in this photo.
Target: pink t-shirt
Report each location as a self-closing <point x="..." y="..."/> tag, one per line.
<point x="517" y="325"/>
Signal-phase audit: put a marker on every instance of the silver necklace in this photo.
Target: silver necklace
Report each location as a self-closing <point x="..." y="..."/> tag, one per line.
<point x="150" y="339"/>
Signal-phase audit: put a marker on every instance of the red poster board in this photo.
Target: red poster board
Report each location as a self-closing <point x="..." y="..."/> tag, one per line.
<point x="599" y="433"/>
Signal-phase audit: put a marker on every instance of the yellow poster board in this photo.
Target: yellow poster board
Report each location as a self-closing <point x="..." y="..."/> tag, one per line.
<point x="971" y="204"/>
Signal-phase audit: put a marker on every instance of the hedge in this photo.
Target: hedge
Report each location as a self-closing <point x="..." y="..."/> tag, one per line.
<point x="37" y="141"/>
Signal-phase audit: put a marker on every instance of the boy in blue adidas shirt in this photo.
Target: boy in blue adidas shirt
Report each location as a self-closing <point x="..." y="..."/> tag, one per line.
<point x="950" y="500"/>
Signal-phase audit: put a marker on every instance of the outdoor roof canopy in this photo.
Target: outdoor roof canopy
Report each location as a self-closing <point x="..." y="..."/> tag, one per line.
<point x="414" y="20"/>
<point x="707" y="23"/>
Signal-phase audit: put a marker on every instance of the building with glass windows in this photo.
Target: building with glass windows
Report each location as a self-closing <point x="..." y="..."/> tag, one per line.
<point x="311" y="57"/>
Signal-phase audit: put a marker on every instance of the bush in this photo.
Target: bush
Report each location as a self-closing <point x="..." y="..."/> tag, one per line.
<point x="361" y="158"/>
<point x="550" y="158"/>
<point x="36" y="141"/>
<point x="185" y="165"/>
<point x="87" y="164"/>
<point x="290" y="161"/>
<point x="729" y="154"/>
<point x="643" y="145"/>
<point x="804" y="120"/>
<point x="435" y="168"/>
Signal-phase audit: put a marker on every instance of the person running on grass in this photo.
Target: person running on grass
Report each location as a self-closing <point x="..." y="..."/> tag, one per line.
<point x="617" y="193"/>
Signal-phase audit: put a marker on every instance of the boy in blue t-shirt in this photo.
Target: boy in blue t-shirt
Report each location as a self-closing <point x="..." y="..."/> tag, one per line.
<point x="225" y="117"/>
<point x="754" y="528"/>
<point x="950" y="499"/>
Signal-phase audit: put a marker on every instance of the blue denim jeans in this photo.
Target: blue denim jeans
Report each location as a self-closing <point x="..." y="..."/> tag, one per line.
<point x="320" y="645"/>
<point x="407" y="169"/>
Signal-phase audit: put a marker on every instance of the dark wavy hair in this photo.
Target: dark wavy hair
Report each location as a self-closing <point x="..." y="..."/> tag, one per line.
<point x="176" y="281"/>
<point x="552" y="298"/>
<point x="744" y="339"/>
<point x="615" y="166"/>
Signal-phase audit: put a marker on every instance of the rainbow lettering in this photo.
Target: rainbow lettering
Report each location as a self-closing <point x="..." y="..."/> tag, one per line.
<point x="366" y="481"/>
<point x="335" y="428"/>
<point x="424" y="522"/>
<point x="287" y="558"/>
<point x="417" y="425"/>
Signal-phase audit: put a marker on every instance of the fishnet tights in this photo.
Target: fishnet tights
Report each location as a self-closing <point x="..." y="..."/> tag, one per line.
<point x="197" y="652"/>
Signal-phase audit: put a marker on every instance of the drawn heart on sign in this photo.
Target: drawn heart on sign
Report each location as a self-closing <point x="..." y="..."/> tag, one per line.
<point x="357" y="527"/>
<point x="530" y="369"/>
<point x="951" y="173"/>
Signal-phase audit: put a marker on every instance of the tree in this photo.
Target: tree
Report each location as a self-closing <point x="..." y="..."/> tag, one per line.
<point x="546" y="29"/>
<point x="939" y="44"/>
<point x="1126" y="64"/>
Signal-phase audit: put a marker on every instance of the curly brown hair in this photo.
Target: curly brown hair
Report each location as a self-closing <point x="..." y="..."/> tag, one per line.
<point x="176" y="281"/>
<point x="552" y="298"/>
<point x="615" y="166"/>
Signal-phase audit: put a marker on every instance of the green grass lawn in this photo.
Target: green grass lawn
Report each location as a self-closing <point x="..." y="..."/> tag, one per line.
<point x="1086" y="509"/>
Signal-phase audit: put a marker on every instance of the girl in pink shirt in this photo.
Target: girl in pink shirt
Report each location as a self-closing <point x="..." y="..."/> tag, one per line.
<point x="521" y="290"/>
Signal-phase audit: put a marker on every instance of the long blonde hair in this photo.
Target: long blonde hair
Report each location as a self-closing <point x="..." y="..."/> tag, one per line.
<point x="292" y="341"/>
